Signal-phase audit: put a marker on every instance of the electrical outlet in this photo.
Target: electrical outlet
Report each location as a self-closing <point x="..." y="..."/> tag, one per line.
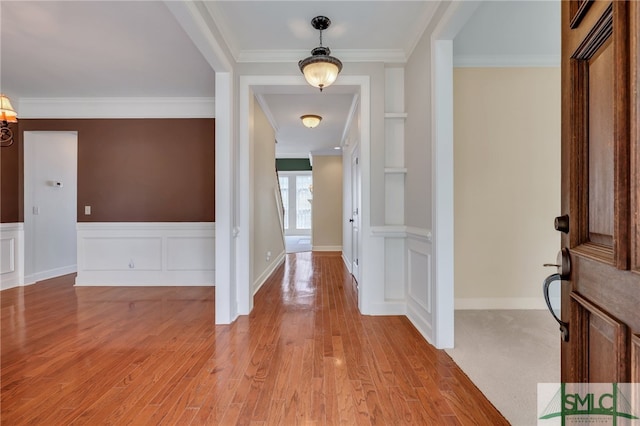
<point x="267" y="257"/>
<point x="87" y="210"/>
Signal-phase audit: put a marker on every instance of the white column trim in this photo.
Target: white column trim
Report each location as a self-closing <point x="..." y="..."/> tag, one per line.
<point x="453" y="20"/>
<point x="226" y="300"/>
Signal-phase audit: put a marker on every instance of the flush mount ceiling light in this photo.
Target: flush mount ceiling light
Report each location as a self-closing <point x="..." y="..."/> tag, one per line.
<point x="7" y="115"/>
<point x="320" y="69"/>
<point x="311" y="120"/>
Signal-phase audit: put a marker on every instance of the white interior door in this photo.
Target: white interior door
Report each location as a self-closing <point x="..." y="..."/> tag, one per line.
<point x="355" y="216"/>
<point x="50" y="199"/>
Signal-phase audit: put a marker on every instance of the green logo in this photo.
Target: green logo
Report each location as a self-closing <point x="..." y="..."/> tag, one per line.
<point x="588" y="403"/>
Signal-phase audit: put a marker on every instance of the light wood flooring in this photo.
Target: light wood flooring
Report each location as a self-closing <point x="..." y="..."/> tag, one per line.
<point x="152" y="355"/>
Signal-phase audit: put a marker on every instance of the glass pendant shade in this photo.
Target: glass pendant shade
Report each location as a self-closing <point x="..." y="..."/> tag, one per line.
<point x="7" y="113"/>
<point x="311" y="120"/>
<point x="320" y="70"/>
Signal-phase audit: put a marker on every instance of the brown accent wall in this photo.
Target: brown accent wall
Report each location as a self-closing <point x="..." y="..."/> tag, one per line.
<point x="141" y="170"/>
<point x="10" y="180"/>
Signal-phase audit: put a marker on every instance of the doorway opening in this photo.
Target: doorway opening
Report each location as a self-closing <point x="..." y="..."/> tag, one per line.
<point x="296" y="189"/>
<point x="50" y="204"/>
<point x="505" y="183"/>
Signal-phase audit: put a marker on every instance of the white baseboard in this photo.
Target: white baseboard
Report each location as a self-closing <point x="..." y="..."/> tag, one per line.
<point x="146" y="254"/>
<point x="347" y="263"/>
<point x="422" y="325"/>
<point x="327" y="248"/>
<point x="279" y="260"/>
<point x="389" y="308"/>
<point x="500" y="303"/>
<point x="51" y="273"/>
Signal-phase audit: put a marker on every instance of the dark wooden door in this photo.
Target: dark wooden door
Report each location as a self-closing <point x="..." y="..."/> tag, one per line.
<point x="600" y="190"/>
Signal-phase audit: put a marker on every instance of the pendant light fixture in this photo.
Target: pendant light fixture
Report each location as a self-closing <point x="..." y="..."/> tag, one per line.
<point x="311" y="120"/>
<point x="320" y="69"/>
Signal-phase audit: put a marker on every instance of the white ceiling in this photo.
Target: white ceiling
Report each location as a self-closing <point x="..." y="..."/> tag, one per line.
<point x="102" y="49"/>
<point x="281" y="30"/>
<point x="98" y="49"/>
<point x="511" y="33"/>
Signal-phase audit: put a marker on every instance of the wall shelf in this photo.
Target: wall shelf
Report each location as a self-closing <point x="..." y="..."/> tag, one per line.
<point x="402" y="115"/>
<point x="395" y="170"/>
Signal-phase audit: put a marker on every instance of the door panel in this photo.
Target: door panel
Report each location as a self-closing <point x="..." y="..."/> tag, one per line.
<point x="599" y="155"/>
<point x="634" y="31"/>
<point x="603" y="338"/>
<point x="635" y="359"/>
<point x="600" y="141"/>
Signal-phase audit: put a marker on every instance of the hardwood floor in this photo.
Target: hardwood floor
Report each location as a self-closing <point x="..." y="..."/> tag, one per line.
<point x="152" y="355"/>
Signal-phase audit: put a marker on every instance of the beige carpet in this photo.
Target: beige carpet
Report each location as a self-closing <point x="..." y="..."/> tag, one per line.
<point x="506" y="354"/>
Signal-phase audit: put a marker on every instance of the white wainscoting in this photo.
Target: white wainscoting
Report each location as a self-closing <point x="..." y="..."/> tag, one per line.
<point x="11" y="255"/>
<point x="420" y="291"/>
<point x="146" y="254"/>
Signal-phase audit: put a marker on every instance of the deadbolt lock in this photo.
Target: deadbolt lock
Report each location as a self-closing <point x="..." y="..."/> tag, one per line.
<point x="561" y="223"/>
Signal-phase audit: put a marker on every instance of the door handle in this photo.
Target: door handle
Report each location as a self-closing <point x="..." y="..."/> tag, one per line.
<point x="351" y="220"/>
<point x="564" y="269"/>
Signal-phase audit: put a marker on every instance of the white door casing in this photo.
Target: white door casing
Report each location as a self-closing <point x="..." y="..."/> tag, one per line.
<point x="355" y="215"/>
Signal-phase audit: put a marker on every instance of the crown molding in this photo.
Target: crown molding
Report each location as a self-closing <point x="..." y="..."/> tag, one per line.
<point x="117" y="107"/>
<point x="345" y="55"/>
<point x="425" y="20"/>
<point x="224" y="30"/>
<point x="506" y="61"/>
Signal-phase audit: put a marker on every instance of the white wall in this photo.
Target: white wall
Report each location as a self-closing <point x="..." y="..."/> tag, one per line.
<point x="418" y="181"/>
<point x="507" y="184"/>
<point x="268" y="244"/>
<point x="327" y="203"/>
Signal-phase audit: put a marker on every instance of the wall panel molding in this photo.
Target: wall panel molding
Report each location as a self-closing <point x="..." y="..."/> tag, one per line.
<point x="420" y="291"/>
<point x="146" y="254"/>
<point x="11" y="255"/>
